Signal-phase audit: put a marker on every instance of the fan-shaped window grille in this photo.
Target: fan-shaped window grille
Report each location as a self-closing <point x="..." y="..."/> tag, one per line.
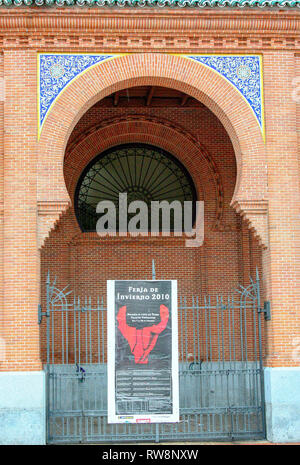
<point x="142" y="171"/>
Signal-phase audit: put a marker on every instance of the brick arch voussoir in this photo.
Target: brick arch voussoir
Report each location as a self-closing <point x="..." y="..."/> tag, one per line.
<point x="142" y="128"/>
<point x="154" y="69"/>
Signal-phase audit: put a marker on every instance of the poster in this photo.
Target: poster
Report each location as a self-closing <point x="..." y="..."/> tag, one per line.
<point x="142" y="343"/>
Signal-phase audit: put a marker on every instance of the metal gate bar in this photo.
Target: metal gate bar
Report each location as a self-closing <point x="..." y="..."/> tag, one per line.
<point x="220" y="370"/>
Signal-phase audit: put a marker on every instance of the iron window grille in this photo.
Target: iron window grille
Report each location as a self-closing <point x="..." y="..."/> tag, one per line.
<point x="143" y="171"/>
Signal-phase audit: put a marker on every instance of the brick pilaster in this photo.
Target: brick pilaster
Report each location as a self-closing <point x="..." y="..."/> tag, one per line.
<point x="20" y="225"/>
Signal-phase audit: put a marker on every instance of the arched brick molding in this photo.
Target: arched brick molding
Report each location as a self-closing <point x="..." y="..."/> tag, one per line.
<point x="164" y="70"/>
<point x="165" y="134"/>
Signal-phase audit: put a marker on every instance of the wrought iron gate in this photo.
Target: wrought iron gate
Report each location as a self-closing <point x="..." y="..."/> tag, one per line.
<point x="220" y="370"/>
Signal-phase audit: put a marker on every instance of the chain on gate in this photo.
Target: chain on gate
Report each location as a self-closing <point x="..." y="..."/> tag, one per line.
<point x="220" y="369"/>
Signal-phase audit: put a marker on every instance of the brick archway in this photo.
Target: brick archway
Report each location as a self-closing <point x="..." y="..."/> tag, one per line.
<point x="200" y="82"/>
<point x="154" y="131"/>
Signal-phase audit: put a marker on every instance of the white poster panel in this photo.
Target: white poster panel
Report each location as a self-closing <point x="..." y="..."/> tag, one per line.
<point x="142" y="348"/>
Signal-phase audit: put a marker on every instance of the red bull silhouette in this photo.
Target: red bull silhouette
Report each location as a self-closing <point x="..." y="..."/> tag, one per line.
<point x="142" y="341"/>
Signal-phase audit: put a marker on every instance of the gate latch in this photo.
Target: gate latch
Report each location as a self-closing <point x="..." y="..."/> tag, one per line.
<point x="80" y="373"/>
<point x="266" y="310"/>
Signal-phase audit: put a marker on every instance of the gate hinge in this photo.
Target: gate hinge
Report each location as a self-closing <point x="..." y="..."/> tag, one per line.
<point x="266" y="310"/>
<point x="41" y="314"/>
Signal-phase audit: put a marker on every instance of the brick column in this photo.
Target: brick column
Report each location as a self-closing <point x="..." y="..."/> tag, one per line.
<point x="2" y="91"/>
<point x="20" y="224"/>
<point x="281" y="260"/>
<point x="22" y="384"/>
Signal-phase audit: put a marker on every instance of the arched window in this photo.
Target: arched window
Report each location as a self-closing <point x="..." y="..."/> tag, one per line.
<point x="142" y="171"/>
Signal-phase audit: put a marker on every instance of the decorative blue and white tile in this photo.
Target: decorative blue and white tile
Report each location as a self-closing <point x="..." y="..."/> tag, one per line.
<point x="244" y="72"/>
<point x="57" y="71"/>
